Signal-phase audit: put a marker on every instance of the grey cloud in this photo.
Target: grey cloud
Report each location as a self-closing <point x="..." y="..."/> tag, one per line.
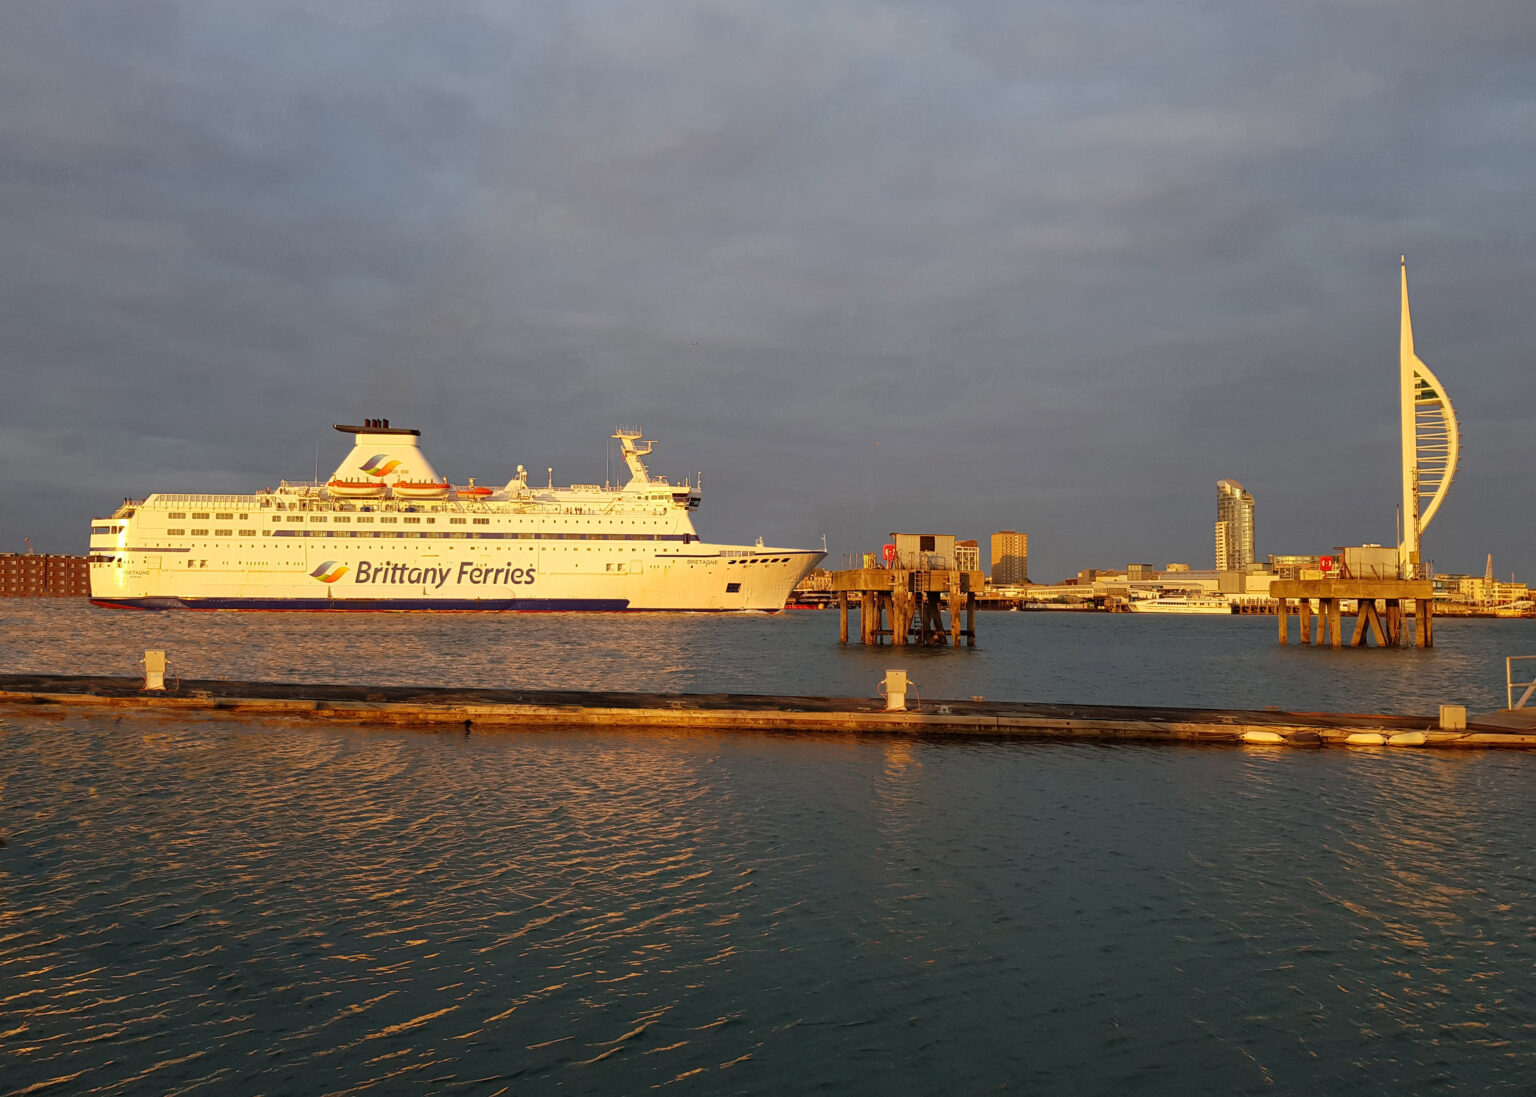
<point x="1067" y="263"/>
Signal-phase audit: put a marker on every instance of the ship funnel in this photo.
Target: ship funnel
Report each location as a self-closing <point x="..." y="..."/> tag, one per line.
<point x="383" y="455"/>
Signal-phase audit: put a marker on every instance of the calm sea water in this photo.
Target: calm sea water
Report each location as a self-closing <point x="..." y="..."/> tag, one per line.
<point x="207" y="906"/>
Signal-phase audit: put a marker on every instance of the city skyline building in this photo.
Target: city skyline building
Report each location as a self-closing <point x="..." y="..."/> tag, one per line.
<point x="1431" y="444"/>
<point x="1234" y="526"/>
<point x="1010" y="558"/>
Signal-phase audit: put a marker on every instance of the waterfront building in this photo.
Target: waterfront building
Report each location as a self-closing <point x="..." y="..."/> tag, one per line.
<point x="1366" y="562"/>
<point x="1010" y="558"/>
<point x="967" y="556"/>
<point x="920" y="551"/>
<point x="1140" y="572"/>
<point x="1431" y="442"/>
<point x="43" y="575"/>
<point x="1234" y="526"/>
<point x="1294" y="566"/>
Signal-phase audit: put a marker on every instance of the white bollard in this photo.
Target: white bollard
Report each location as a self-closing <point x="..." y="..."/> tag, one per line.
<point x="154" y="670"/>
<point x="1453" y="717"/>
<point x="894" y="687"/>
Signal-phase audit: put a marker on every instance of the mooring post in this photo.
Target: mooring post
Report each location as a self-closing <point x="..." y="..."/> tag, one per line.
<point x="953" y="598"/>
<point x="970" y="618"/>
<point x="842" y="617"/>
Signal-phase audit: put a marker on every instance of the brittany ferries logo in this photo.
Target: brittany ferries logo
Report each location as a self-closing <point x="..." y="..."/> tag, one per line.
<point x="380" y="465"/>
<point x="466" y="573"/>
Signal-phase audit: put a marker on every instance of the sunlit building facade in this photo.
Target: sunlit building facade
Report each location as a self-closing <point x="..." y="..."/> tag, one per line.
<point x="1234" y="526"/>
<point x="1010" y="558"/>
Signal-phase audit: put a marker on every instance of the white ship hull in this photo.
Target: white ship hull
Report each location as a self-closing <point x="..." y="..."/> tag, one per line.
<point x="1182" y="605"/>
<point x="304" y="547"/>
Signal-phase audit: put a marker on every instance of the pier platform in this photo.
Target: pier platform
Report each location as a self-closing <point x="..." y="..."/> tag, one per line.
<point x="467" y="710"/>
<point x="913" y="600"/>
<point x="1330" y="593"/>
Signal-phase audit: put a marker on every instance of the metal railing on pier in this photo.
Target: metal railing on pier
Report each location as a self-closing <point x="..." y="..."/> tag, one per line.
<point x="1510" y="685"/>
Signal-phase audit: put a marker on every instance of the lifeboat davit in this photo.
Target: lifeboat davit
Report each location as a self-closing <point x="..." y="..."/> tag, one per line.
<point x="355" y="489"/>
<point x="420" y="489"/>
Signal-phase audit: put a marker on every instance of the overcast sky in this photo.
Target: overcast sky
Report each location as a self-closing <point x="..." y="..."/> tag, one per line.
<point x="1053" y="266"/>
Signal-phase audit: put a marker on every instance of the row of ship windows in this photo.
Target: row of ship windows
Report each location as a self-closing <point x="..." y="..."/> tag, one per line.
<point x="385" y="519"/>
<point x="282" y="565"/>
<point x="340" y="518"/>
<point x="486" y="536"/>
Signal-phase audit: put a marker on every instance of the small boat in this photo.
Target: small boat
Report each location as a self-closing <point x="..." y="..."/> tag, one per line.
<point x="473" y="491"/>
<point x="355" y="489"/>
<point x="420" y="489"/>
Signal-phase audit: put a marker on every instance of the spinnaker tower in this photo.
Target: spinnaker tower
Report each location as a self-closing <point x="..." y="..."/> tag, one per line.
<point x="1431" y="444"/>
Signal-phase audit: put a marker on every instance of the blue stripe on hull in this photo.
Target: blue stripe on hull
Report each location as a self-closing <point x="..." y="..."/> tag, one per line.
<point x="364" y="605"/>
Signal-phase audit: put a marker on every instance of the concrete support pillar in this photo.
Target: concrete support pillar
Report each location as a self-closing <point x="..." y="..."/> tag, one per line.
<point x="1335" y="625"/>
<point x="1394" y="622"/>
<point x="1304" y="619"/>
<point x="934" y="615"/>
<point x="1282" y="613"/>
<point x="1376" y="627"/>
<point x="970" y="619"/>
<point x="1424" y="622"/>
<point x="842" y="617"/>
<point x="1362" y="613"/>
<point x="1367" y="624"/>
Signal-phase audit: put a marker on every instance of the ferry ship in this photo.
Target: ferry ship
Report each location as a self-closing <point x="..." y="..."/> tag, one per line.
<point x="386" y="532"/>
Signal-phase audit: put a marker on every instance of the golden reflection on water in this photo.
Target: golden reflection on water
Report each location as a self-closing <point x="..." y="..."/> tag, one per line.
<point x="253" y="907"/>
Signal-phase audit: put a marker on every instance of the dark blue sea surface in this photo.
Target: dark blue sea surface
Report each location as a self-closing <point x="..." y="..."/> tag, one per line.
<point x="198" y="905"/>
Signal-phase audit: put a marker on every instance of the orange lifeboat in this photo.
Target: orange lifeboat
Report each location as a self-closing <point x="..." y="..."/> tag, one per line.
<point x="473" y="491"/>
<point x="420" y="489"/>
<point x="355" y="489"/>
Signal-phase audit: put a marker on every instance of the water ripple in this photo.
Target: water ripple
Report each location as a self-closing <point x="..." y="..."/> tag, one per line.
<point x="202" y="906"/>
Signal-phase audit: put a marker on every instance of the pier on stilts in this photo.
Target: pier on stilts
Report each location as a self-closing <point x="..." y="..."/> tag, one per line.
<point x="907" y="605"/>
<point x="1388" y="629"/>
